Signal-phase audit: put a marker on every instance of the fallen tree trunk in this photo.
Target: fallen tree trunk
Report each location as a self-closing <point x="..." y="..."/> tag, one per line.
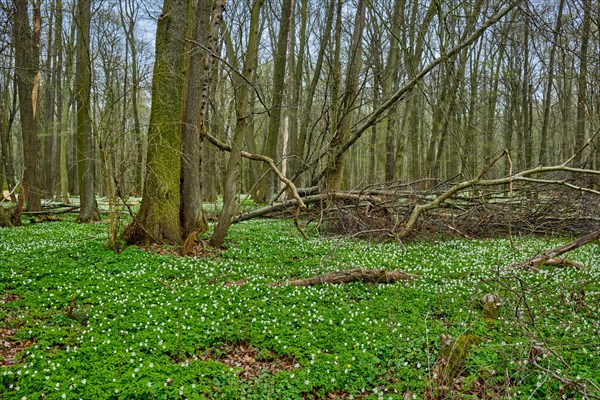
<point x="354" y="275"/>
<point x="549" y="257"/>
<point x="53" y="211"/>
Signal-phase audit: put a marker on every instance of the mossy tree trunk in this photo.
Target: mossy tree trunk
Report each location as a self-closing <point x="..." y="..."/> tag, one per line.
<point x="158" y="219"/>
<point x="26" y="38"/>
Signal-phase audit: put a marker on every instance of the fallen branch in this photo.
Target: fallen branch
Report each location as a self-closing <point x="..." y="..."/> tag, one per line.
<point x="51" y="212"/>
<point x="6" y="195"/>
<point x="258" y="157"/>
<point x="353" y="275"/>
<point x="549" y="257"/>
<point x="581" y="386"/>
<point x="523" y="176"/>
<point x="286" y="181"/>
<point x="165" y="284"/>
<point x="294" y="203"/>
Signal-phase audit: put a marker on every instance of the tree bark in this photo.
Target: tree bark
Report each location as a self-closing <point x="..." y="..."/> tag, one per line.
<point x="344" y="114"/>
<point x="390" y="83"/>
<point x="582" y="82"/>
<point x="266" y="186"/>
<point x="158" y="219"/>
<point x="243" y="121"/>
<point x="88" y="210"/>
<point x="27" y="59"/>
<point x="195" y="114"/>
<point x="7" y="117"/>
<point x="543" y="156"/>
<point x="48" y="114"/>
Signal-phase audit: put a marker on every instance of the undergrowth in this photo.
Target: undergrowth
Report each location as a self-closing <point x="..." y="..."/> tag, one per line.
<point x="94" y="324"/>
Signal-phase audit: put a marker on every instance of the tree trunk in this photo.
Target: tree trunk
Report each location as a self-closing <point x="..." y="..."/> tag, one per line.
<point x="48" y="114"/>
<point x="65" y="96"/>
<point x="344" y="114"/>
<point x="543" y="156"/>
<point x="128" y="20"/>
<point x="88" y="210"/>
<point x="526" y="138"/>
<point x="7" y="117"/>
<point x="582" y="82"/>
<point x="195" y="115"/>
<point x="294" y="108"/>
<point x="27" y="58"/>
<point x="158" y="219"/>
<point x="266" y="184"/>
<point x="390" y="83"/>
<point x="243" y="121"/>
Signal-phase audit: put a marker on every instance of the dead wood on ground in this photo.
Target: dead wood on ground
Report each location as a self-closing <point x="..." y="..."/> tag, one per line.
<point x="549" y="257"/>
<point x="353" y="275"/>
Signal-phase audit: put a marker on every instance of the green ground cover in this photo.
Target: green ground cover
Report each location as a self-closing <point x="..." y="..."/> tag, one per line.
<point x="155" y="326"/>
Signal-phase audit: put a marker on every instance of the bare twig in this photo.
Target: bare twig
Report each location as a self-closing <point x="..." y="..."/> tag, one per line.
<point x="286" y="181"/>
<point x="577" y="385"/>
<point x="165" y="284"/>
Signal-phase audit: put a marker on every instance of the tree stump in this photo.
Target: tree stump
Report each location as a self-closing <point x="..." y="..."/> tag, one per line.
<point x="490" y="303"/>
<point x="9" y="217"/>
<point x="450" y="361"/>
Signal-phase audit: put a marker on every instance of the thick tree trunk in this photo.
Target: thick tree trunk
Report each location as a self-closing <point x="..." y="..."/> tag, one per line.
<point x="158" y="219"/>
<point x="27" y="57"/>
<point x="195" y="118"/>
<point x="9" y="217"/>
<point x="6" y="121"/>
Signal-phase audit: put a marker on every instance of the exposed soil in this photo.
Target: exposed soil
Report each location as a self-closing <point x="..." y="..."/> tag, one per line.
<point x="251" y="362"/>
<point x="200" y="249"/>
<point x="10" y="348"/>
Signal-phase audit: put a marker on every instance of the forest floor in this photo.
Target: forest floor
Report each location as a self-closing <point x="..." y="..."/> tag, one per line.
<point x="81" y="321"/>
